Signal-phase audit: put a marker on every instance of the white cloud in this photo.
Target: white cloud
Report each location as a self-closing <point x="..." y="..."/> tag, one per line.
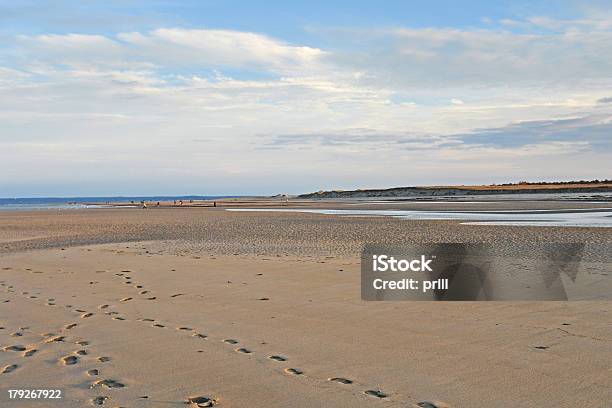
<point x="410" y="58"/>
<point x="218" y="107"/>
<point x="172" y="47"/>
<point x="222" y="48"/>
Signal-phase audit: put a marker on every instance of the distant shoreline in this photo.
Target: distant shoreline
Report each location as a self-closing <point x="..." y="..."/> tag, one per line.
<point x="521" y="188"/>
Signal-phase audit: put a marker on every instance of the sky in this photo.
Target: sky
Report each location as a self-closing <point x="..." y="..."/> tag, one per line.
<point x="239" y="97"/>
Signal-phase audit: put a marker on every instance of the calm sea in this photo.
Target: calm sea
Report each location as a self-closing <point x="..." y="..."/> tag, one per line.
<point x="64" y="203"/>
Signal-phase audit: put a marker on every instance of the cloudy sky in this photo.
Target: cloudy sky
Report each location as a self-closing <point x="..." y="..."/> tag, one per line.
<point x="231" y="97"/>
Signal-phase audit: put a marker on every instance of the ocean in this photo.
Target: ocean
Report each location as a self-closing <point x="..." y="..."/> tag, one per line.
<point x="68" y="203"/>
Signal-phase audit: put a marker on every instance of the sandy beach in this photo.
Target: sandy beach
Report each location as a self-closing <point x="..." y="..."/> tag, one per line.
<point x="172" y="306"/>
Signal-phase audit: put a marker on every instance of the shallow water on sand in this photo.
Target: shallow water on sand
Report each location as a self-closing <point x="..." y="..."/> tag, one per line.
<point x="551" y="218"/>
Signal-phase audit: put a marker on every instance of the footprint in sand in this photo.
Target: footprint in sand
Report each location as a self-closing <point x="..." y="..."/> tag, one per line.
<point x="126" y="299"/>
<point x="118" y="318"/>
<point x="16" y="334"/>
<point x="201" y="402"/>
<point x="158" y="325"/>
<point x="294" y="371"/>
<point x="184" y="328"/>
<point x="100" y="400"/>
<point x="29" y="353"/>
<point x="70" y="326"/>
<point x="341" y="380"/>
<point x="93" y="372"/>
<point x="243" y="350"/>
<point x="431" y="404"/>
<point x="81" y="352"/>
<point x="86" y="315"/>
<point x="82" y="343"/>
<point x="146" y="320"/>
<point x="176" y="295"/>
<point x="55" y="339"/>
<point x="375" y="393"/>
<point x="9" y="368"/>
<point x="152" y="298"/>
<point x="14" y="348"/>
<point x="277" y="358"/>
<point x="143" y="292"/>
<point x="108" y="384"/>
<point x="231" y="341"/>
<point x="200" y="335"/>
<point x="104" y="359"/>
<point x="103" y="306"/>
<point x="70" y="360"/>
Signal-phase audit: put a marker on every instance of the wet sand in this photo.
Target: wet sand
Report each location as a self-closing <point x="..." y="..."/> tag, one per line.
<point x="149" y="308"/>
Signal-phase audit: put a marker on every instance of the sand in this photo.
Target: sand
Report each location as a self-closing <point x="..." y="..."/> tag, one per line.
<point x="156" y="308"/>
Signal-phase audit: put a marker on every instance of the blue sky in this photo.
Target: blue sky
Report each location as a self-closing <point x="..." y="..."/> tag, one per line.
<point x="231" y="97"/>
<point x="279" y="18"/>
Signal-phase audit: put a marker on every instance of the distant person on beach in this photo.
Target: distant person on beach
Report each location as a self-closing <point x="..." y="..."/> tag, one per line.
<point x="144" y="205"/>
<point x="214" y="203"/>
